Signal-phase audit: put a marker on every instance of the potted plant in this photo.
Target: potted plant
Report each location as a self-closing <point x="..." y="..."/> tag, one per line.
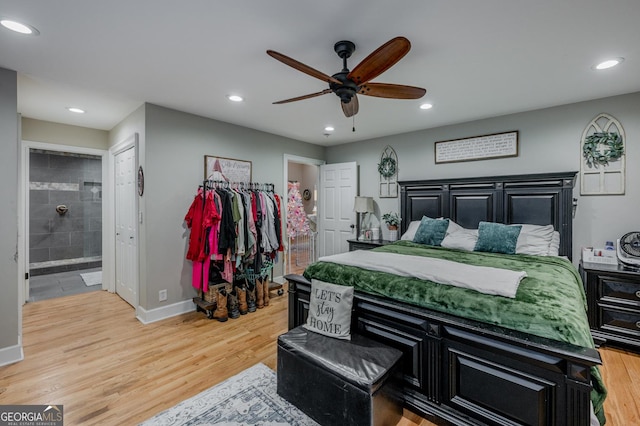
<point x="392" y="220"/>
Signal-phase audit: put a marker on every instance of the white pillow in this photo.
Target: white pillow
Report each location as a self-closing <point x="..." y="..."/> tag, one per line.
<point x="411" y="230"/>
<point x="554" y="246"/>
<point x="460" y="239"/>
<point x="534" y="240"/>
<point x="453" y="227"/>
<point x="330" y="309"/>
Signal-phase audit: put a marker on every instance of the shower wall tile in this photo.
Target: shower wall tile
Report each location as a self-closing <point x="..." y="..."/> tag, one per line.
<point x="42" y="211"/>
<point x="57" y="253"/>
<point x="38" y="255"/>
<point x="38" y="160"/>
<point x="63" y="197"/>
<point x="66" y="162"/>
<point x="67" y="224"/>
<point x="39" y="225"/>
<point x="95" y="224"/>
<point x="93" y="209"/>
<point x="75" y="181"/>
<point x="56" y="239"/>
<point x="38" y="197"/>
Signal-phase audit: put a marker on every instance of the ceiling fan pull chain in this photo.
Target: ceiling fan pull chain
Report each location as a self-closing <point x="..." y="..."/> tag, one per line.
<point x="353" y="129"/>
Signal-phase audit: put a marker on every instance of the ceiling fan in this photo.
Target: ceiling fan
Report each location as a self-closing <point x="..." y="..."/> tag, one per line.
<point x="347" y="84"/>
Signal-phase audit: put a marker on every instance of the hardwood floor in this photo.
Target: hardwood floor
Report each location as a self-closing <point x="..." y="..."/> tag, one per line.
<point x="89" y="353"/>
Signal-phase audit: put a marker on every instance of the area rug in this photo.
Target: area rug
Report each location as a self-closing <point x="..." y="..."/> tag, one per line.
<point x="248" y="398"/>
<point x="92" y="278"/>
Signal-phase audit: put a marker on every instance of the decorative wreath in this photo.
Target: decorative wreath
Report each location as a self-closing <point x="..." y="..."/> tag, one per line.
<point x="387" y="167"/>
<point x="613" y="151"/>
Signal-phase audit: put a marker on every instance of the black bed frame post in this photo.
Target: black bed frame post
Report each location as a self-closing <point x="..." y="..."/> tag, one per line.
<point x="578" y="395"/>
<point x="567" y="214"/>
<point x="404" y="210"/>
<point x="292" y="303"/>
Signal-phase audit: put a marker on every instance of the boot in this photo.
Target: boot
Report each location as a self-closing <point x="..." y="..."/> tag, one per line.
<point x="232" y="304"/>
<point x="265" y="291"/>
<point x="251" y="296"/>
<point x="259" y="294"/>
<point x="242" y="298"/>
<point x="221" y="313"/>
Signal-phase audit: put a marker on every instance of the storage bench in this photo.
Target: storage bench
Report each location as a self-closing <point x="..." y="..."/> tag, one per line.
<point x="340" y="382"/>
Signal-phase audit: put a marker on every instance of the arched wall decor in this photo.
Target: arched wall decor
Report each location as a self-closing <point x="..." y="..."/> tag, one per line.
<point x="388" y="170"/>
<point x="602" y="152"/>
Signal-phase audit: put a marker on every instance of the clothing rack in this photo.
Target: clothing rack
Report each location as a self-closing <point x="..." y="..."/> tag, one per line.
<point x="261" y="268"/>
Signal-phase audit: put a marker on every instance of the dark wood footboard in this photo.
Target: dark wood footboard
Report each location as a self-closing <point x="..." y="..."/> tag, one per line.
<point x="464" y="372"/>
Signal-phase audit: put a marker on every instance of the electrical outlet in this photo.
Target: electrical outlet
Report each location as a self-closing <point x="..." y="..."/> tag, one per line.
<point x="162" y="295"/>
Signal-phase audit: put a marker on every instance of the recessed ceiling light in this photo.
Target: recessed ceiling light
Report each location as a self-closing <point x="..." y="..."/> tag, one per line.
<point x="235" y="98"/>
<point x="329" y="129"/>
<point x="19" y="27"/>
<point x="426" y="106"/>
<point x="608" y="64"/>
<point x="76" y="110"/>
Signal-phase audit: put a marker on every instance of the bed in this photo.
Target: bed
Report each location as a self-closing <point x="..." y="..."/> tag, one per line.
<point x="462" y="366"/>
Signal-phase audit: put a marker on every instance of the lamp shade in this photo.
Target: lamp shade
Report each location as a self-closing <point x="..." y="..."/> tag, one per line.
<point x="363" y="205"/>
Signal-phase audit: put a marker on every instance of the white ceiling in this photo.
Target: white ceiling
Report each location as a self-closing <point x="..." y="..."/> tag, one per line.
<point x="476" y="59"/>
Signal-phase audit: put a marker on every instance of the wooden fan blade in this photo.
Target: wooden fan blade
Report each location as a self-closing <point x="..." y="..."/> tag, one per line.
<point x="380" y="60"/>
<point x="351" y="108"/>
<point x="299" y="98"/>
<point x="395" y="91"/>
<point x="302" y="67"/>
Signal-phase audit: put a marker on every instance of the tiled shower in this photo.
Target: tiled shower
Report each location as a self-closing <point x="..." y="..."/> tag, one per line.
<point x="65" y="211"/>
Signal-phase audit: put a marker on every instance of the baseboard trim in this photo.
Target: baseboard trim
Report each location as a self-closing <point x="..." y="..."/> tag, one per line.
<point x="11" y="354"/>
<point x="164" y="312"/>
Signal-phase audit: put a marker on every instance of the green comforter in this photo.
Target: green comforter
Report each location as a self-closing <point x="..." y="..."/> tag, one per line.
<point x="550" y="301"/>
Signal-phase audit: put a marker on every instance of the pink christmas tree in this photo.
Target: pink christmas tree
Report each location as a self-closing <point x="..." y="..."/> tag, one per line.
<point x="297" y="221"/>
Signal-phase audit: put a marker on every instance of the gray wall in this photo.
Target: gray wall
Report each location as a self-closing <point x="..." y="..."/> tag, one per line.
<point x="175" y="146"/>
<point x="63" y="134"/>
<point x="549" y="141"/>
<point x="9" y="315"/>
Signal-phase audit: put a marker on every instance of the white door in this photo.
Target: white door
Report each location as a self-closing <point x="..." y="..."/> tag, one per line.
<point x="126" y="232"/>
<point x="338" y="188"/>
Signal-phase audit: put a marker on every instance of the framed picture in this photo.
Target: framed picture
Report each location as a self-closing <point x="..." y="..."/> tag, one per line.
<point x="484" y="147"/>
<point x="226" y="169"/>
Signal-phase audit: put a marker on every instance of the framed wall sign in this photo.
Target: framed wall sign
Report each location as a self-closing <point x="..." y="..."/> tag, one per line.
<point x="226" y="169"/>
<point x="484" y="147"/>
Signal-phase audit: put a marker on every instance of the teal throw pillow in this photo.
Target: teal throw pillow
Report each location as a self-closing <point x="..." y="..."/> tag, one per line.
<point x="497" y="238"/>
<point x="431" y="231"/>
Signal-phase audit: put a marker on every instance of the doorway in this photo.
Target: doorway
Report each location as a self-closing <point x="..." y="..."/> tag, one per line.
<point x="62" y="189"/>
<point x="301" y="211"/>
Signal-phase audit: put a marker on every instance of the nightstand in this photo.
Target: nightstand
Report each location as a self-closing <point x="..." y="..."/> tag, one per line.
<point x="366" y="244"/>
<point x="613" y="298"/>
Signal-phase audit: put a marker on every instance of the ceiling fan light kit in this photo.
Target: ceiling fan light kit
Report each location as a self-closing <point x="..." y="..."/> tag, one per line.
<point x="348" y="84"/>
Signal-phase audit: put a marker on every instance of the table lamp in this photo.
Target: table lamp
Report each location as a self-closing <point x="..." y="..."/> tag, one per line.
<point x="362" y="205"/>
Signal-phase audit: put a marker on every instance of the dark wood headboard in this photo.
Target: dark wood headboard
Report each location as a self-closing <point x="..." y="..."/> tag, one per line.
<point x="539" y="199"/>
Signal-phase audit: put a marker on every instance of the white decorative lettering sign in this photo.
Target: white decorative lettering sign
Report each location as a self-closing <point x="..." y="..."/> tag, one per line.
<point x="330" y="309"/>
<point x="477" y="148"/>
